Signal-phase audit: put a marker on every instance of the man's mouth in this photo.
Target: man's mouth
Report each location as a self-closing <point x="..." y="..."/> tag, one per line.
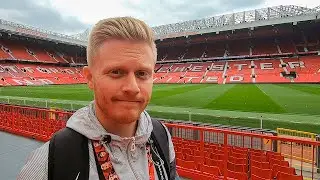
<point x="129" y="101"/>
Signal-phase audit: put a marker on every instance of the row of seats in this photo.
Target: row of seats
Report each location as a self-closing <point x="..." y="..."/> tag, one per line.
<point x="19" y="51"/>
<point x="40" y="124"/>
<point x="237" y="162"/>
<point x="241" y="47"/>
<point x="303" y="69"/>
<point x="306" y="69"/>
<point x="241" y="163"/>
<point x="31" y="74"/>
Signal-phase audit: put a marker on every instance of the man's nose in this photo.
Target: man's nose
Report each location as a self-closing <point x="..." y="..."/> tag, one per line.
<point x="131" y="85"/>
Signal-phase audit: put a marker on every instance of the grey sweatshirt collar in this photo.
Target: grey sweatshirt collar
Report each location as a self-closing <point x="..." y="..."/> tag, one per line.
<point x="85" y="122"/>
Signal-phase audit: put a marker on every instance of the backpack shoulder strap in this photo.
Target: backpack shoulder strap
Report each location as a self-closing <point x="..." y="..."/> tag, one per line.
<point x="160" y="139"/>
<point x="68" y="156"/>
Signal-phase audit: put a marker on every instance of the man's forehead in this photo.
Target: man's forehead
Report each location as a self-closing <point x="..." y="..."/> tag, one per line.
<point x="128" y="64"/>
<point x="118" y="52"/>
<point x="124" y="45"/>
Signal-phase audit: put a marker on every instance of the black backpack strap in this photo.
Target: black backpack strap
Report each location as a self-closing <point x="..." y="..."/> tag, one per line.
<point x="68" y="156"/>
<point x="159" y="137"/>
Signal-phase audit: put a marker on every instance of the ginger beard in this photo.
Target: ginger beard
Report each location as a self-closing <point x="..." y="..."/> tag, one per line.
<point x="120" y="111"/>
<point x="122" y="80"/>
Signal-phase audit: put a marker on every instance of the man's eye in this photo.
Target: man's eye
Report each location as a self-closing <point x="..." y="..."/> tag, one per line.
<point x="115" y="72"/>
<point x="142" y="74"/>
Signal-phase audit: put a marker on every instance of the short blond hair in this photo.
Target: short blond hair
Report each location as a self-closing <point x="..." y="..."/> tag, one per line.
<point x="123" y="28"/>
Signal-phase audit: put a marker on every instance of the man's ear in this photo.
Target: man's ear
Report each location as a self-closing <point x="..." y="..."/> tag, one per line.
<point x="88" y="75"/>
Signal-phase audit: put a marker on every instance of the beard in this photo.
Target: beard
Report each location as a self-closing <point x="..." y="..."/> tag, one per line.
<point x="119" y="113"/>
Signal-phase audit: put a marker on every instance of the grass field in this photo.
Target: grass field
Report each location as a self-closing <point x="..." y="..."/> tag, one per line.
<point x="294" y="106"/>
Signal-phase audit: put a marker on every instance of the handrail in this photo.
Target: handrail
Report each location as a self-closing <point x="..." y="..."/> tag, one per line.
<point x="230" y="132"/>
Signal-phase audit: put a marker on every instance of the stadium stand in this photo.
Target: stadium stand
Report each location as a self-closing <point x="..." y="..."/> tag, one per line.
<point x="31" y="74"/>
<point x="284" y="53"/>
<point x="273" y="70"/>
<point x="270" y="45"/>
<point x="202" y="151"/>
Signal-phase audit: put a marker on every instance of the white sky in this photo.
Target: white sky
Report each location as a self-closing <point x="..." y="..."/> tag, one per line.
<point x="74" y="16"/>
<point x="91" y="11"/>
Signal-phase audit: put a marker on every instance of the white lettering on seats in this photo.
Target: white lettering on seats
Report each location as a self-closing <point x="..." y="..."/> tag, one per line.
<point x="29" y="69"/>
<point x="236" y="78"/>
<point x="2" y="70"/>
<point x="69" y="71"/>
<point x="295" y="64"/>
<point x="163" y="69"/>
<point x="240" y="66"/>
<point x="190" y="78"/>
<point x="180" y="69"/>
<point x="33" y="82"/>
<point x="10" y="68"/>
<point x="218" y="67"/>
<point x="212" y="79"/>
<point x="23" y="82"/>
<point x="196" y="69"/>
<point x="266" y="66"/>
<point x="42" y="70"/>
<point x="46" y="81"/>
<point x="54" y="70"/>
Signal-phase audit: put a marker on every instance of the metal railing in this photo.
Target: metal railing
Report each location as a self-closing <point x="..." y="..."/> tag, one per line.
<point x="200" y="138"/>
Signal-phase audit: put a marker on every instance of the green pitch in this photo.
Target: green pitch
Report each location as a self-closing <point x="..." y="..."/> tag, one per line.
<point x="294" y="106"/>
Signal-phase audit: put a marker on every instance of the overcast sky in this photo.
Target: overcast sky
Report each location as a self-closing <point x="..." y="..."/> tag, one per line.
<point x="73" y="16"/>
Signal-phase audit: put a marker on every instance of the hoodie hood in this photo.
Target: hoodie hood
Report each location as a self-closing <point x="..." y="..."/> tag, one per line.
<point x="85" y="122"/>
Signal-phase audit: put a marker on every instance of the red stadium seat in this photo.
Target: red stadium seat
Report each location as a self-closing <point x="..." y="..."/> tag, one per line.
<point x="278" y="162"/>
<point x="286" y="176"/>
<point x="260" y="158"/>
<point x="179" y="155"/>
<point x="237" y="160"/>
<point x="237" y="167"/>
<point x="263" y="173"/>
<point x="187" y="164"/>
<point x="213" y="170"/>
<point x="237" y="175"/>
<point x="260" y="164"/>
<point x="278" y="168"/>
<point x="255" y="177"/>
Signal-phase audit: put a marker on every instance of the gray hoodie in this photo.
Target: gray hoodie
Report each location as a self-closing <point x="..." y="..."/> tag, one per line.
<point x="128" y="155"/>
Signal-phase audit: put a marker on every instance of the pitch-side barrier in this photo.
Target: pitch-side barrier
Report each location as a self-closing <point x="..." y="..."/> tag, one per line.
<point x="203" y="151"/>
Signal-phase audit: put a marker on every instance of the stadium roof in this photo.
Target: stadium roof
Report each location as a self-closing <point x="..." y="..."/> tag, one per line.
<point x="246" y="19"/>
<point x="240" y="20"/>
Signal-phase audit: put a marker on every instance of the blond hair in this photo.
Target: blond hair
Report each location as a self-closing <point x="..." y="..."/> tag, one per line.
<point x="123" y="28"/>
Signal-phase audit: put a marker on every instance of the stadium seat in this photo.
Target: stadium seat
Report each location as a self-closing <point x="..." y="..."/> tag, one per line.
<point x="260" y="164"/>
<point x="237" y="160"/>
<point x="263" y="173"/>
<point x="213" y="170"/>
<point x="179" y="155"/>
<point x="278" y="168"/>
<point x="278" y="162"/>
<point x="187" y="164"/>
<point x="237" y="175"/>
<point x="255" y="177"/>
<point x="260" y="158"/>
<point x="286" y="176"/>
<point x="237" y="167"/>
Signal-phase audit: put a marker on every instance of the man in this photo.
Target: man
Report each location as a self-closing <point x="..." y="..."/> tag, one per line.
<point x="121" y="56"/>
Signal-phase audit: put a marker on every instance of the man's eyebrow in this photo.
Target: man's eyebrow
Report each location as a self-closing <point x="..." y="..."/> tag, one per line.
<point x="145" y="67"/>
<point x="123" y="67"/>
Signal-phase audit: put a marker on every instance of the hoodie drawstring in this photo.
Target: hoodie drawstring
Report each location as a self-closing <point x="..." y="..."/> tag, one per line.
<point x="133" y="144"/>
